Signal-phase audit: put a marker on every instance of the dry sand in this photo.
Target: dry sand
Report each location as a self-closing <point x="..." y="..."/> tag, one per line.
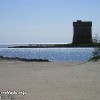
<point x="51" y="80"/>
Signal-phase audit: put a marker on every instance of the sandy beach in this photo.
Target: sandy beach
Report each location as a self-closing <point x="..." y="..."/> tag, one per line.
<point x="50" y="80"/>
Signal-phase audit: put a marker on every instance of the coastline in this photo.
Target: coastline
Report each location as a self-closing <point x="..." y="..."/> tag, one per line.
<point x="51" y="80"/>
<point x="56" y="46"/>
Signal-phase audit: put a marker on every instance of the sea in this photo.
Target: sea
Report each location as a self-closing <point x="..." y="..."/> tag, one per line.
<point x="52" y="54"/>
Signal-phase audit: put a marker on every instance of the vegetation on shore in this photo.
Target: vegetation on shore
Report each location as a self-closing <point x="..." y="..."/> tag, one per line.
<point x="56" y="45"/>
<point x="96" y="52"/>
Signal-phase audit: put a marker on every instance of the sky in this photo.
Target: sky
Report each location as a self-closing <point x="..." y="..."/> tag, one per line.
<point x="45" y="21"/>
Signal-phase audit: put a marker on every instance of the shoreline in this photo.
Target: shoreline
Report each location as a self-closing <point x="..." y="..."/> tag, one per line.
<point x="23" y="59"/>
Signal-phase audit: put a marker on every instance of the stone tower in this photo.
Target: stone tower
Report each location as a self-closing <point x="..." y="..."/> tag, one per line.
<point x="82" y="32"/>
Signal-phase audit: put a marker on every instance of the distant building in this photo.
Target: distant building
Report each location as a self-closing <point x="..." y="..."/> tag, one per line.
<point x="82" y="32"/>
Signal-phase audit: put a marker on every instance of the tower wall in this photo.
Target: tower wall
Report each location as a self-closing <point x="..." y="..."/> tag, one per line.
<point x="82" y="32"/>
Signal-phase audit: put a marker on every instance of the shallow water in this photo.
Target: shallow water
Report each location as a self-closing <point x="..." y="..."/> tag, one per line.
<point x="52" y="54"/>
